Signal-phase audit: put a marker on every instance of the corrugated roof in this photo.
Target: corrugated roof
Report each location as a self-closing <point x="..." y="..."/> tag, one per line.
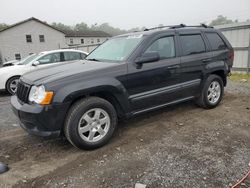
<point x="86" y="34"/>
<point x="240" y="25"/>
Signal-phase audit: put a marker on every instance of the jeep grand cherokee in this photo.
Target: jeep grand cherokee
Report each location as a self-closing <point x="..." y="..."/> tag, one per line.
<point x="127" y="75"/>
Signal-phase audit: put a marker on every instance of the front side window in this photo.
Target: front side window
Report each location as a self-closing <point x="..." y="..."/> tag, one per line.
<point x="41" y="38"/>
<point x="215" y="41"/>
<point x="50" y="58"/>
<point x="164" y="46"/>
<point x="192" y="44"/>
<point x="70" y="56"/>
<point x="116" y="49"/>
<point x="28" y="38"/>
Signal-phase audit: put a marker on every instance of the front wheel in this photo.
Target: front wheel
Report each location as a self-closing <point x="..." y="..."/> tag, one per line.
<point x="211" y="93"/>
<point x="11" y="85"/>
<point x="90" y="123"/>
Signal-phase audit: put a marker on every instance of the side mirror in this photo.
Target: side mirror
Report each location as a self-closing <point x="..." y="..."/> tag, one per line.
<point x="35" y="63"/>
<point x="147" y="58"/>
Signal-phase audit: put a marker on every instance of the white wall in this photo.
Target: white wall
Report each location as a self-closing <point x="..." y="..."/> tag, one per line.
<point x="239" y="38"/>
<point x="87" y="40"/>
<point x="13" y="40"/>
<point x="86" y="48"/>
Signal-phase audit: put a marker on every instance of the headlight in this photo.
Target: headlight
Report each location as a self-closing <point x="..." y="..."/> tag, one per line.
<point x="39" y="95"/>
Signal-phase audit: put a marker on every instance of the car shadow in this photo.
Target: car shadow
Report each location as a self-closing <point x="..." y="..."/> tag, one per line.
<point x="4" y="94"/>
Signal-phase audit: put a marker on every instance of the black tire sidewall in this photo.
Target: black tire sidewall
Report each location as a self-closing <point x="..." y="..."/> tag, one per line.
<point x="209" y="80"/>
<point x="8" y="84"/>
<point x="76" y="115"/>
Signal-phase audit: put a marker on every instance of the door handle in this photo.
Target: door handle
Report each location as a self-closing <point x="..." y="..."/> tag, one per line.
<point x="173" y="67"/>
<point x="207" y="60"/>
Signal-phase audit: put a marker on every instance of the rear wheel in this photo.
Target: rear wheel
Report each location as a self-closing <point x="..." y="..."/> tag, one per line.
<point x="212" y="92"/>
<point x="11" y="85"/>
<point x="90" y="123"/>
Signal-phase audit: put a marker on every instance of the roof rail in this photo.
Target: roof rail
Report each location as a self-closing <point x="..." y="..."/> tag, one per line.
<point x="178" y="26"/>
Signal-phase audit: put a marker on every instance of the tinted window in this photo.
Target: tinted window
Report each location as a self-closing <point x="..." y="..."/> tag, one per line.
<point x="164" y="46"/>
<point x="51" y="58"/>
<point x="70" y="56"/>
<point x="215" y="41"/>
<point x="192" y="44"/>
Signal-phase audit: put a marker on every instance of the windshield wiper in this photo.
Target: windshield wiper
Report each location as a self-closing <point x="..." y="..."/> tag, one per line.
<point x="93" y="59"/>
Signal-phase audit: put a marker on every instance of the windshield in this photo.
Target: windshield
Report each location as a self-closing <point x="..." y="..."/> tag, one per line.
<point x="116" y="49"/>
<point x="28" y="59"/>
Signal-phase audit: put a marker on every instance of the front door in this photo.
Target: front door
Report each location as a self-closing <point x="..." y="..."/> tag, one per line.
<point x="155" y="83"/>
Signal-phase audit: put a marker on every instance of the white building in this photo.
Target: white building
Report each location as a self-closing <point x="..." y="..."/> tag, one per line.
<point x="87" y="40"/>
<point x="33" y="36"/>
<point x="238" y="35"/>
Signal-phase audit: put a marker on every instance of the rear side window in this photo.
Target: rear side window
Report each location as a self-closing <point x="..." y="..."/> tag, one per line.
<point x="215" y="41"/>
<point x="70" y="56"/>
<point x="164" y="46"/>
<point x="192" y="44"/>
<point x="83" y="55"/>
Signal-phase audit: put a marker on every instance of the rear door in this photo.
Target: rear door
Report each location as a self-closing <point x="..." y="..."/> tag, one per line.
<point x="194" y="55"/>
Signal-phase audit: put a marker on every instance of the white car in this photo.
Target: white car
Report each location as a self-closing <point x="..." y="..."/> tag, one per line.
<point x="10" y="75"/>
<point x="12" y="62"/>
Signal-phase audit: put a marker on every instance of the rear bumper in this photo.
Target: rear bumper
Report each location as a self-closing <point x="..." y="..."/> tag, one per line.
<point x="45" y="121"/>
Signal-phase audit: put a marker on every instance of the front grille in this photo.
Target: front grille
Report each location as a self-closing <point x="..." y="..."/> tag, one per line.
<point x="23" y="91"/>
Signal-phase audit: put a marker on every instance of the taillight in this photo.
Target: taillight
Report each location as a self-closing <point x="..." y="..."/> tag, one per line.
<point x="231" y="55"/>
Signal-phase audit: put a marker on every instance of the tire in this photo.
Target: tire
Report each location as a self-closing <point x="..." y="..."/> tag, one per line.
<point x="9" y="84"/>
<point x="205" y="100"/>
<point x="90" y="123"/>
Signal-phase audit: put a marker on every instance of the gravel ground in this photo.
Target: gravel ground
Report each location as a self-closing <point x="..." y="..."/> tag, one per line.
<point x="179" y="146"/>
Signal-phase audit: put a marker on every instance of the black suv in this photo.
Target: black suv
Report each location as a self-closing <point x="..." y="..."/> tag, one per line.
<point x="125" y="76"/>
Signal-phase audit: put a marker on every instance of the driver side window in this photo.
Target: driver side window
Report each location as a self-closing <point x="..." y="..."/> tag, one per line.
<point x="50" y="58"/>
<point x="164" y="47"/>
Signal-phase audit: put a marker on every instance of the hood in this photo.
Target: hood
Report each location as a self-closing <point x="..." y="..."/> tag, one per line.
<point x="53" y="73"/>
<point x="10" y="63"/>
<point x="14" y="68"/>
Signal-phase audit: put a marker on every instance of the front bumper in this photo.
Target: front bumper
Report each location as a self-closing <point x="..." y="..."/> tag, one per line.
<point x="45" y="121"/>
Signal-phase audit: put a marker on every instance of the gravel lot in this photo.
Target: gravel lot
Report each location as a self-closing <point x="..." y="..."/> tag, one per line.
<point x="180" y="146"/>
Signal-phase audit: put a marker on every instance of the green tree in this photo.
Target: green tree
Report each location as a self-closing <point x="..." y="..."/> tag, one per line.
<point x="220" y="20"/>
<point x="81" y="27"/>
<point x="108" y="29"/>
<point x="62" y="26"/>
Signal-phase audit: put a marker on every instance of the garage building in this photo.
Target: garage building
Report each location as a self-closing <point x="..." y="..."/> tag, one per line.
<point x="238" y="35"/>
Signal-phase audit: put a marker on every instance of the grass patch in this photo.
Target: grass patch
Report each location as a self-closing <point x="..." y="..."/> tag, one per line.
<point x="240" y="77"/>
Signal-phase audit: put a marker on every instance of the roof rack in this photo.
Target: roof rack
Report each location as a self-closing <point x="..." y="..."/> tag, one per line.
<point x="178" y="26"/>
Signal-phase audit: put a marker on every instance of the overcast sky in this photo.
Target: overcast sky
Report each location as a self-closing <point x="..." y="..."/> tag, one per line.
<point x="123" y="13"/>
